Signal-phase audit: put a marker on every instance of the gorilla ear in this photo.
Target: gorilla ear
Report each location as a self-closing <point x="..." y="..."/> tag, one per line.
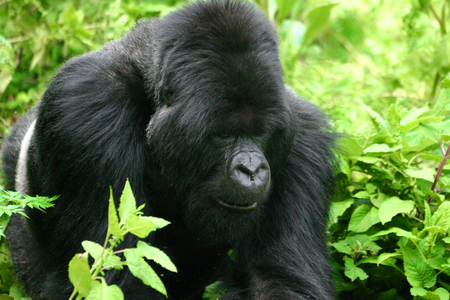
<point x="157" y="117"/>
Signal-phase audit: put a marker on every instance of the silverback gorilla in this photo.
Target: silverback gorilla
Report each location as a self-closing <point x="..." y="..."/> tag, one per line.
<point x="192" y="108"/>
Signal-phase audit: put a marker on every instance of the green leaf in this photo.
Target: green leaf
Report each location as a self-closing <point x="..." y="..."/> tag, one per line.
<point x="352" y="271"/>
<point x="394" y="117"/>
<point x="399" y="232"/>
<point x="94" y="249"/>
<point x="158" y="222"/>
<point x="362" y="243"/>
<point x="427" y="174"/>
<point x="418" y="271"/>
<point x="441" y="216"/>
<point x="418" y="291"/>
<point x="152" y="253"/>
<point x="284" y="7"/>
<point x="376" y="148"/>
<point x="140" y="226"/>
<point x="384" y="124"/>
<point x="413" y="115"/>
<point x="317" y="19"/>
<point x="80" y="274"/>
<point x="339" y="208"/>
<point x="392" y="207"/>
<point x="385" y="256"/>
<point x="442" y="293"/>
<point x="127" y="203"/>
<point x="102" y="291"/>
<point x="113" y="220"/>
<point x="141" y="269"/>
<point x="342" y="247"/>
<point x="363" y="218"/>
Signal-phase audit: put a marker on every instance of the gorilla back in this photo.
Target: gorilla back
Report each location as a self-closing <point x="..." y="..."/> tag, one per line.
<point x="193" y="110"/>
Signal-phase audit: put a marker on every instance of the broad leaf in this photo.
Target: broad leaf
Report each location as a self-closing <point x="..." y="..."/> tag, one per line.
<point x="441" y="216"/>
<point x="418" y="271"/>
<point x="392" y="207"/>
<point x="363" y="218"/>
<point x="80" y="274"/>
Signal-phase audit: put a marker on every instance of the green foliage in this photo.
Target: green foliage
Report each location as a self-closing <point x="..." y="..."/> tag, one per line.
<point x="10" y="203"/>
<point x="88" y="280"/>
<point x="395" y="214"/>
<point x="14" y="202"/>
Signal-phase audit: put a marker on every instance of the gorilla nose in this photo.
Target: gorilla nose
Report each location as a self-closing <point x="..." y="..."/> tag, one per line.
<point x="250" y="171"/>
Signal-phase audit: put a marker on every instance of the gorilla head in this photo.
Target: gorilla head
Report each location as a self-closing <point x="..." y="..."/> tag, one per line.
<point x="222" y="95"/>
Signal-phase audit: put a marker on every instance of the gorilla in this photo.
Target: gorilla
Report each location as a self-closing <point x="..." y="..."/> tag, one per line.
<point x="193" y="110"/>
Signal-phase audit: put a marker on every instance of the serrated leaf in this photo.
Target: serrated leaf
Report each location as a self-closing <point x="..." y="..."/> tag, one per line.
<point x="113" y="220"/>
<point x="102" y="291"/>
<point x="140" y="226"/>
<point x="392" y="207"/>
<point x="418" y="271"/>
<point x="441" y="216"/>
<point x="127" y="203"/>
<point x="80" y="274"/>
<point x="141" y="269"/>
<point x="415" y="137"/>
<point x="363" y="218"/>
<point x="352" y="271"/>
<point x="152" y="253"/>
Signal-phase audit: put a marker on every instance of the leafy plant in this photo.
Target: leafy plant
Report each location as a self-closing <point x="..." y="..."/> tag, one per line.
<point x="394" y="222"/>
<point x="88" y="280"/>
<point x="15" y="202"/>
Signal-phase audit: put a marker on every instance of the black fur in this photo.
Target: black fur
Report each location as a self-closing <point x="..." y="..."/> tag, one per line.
<point x="169" y="106"/>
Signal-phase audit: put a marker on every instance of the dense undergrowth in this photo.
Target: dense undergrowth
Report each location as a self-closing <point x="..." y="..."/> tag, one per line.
<point x="380" y="69"/>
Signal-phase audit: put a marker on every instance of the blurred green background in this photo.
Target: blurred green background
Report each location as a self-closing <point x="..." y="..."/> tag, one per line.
<point x="379" y="68"/>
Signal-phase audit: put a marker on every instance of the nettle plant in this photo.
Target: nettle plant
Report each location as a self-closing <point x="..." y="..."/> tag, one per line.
<point x="392" y="220"/>
<point x="88" y="281"/>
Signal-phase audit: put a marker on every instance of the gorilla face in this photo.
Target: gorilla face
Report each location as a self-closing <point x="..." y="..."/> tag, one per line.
<point x="222" y="153"/>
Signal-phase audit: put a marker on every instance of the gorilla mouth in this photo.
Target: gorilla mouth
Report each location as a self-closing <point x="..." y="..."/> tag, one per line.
<point x="238" y="207"/>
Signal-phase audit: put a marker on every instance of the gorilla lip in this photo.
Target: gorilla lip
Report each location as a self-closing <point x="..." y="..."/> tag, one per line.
<point x="243" y="208"/>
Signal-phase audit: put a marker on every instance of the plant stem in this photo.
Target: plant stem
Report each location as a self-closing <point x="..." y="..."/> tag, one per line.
<point x="439" y="172"/>
<point x="441" y="23"/>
